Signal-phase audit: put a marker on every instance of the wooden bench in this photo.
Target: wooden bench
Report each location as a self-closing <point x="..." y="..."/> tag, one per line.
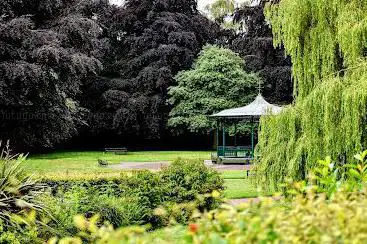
<point x="116" y="150"/>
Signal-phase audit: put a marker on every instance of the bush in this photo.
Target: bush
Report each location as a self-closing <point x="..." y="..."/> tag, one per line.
<point x="328" y="208"/>
<point x="133" y="199"/>
<point x="18" y="191"/>
<point x="118" y="211"/>
<point x="305" y="220"/>
<point x="186" y="180"/>
<point x="18" y="197"/>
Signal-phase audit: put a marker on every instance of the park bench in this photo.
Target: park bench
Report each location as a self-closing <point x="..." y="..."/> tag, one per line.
<point x="116" y="150"/>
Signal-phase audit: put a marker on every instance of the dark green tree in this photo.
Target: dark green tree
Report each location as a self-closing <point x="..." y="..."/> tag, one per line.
<point x="255" y="44"/>
<point x="151" y="41"/>
<point x="217" y="81"/>
<point x="250" y="36"/>
<point x="48" y="49"/>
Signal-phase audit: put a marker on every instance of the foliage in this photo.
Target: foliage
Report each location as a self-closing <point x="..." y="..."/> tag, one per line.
<point x="253" y="42"/>
<point x="151" y="42"/>
<point x="329" y="115"/>
<point x="26" y="228"/>
<point x="138" y="198"/>
<point x="222" y="12"/>
<point x="331" y="177"/>
<point x="72" y="70"/>
<point x="220" y="9"/>
<point x="310" y="216"/>
<point x="329" y="207"/>
<point x="357" y="173"/>
<point x="215" y="82"/>
<point x="48" y="49"/>
<point x="187" y="179"/>
<point x="306" y="219"/>
<point x="18" y="191"/>
<point x="322" y="38"/>
<point x="117" y="210"/>
<point x="19" y="194"/>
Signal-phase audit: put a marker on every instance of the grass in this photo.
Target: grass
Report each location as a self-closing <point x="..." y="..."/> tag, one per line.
<point x="86" y="162"/>
<point x="74" y="164"/>
<point x="239" y="188"/>
<point x="234" y="174"/>
<point x="238" y="185"/>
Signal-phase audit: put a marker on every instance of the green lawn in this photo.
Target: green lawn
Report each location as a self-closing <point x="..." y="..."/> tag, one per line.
<point x="87" y="161"/>
<point x="239" y="188"/>
<point x="238" y="185"/>
<point x="234" y="174"/>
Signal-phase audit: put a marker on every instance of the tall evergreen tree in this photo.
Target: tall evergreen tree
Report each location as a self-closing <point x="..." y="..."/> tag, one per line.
<point x="47" y="50"/>
<point x="217" y="81"/>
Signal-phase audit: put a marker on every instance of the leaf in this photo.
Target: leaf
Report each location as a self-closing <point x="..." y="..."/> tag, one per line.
<point x="355" y="173"/>
<point x="80" y="222"/>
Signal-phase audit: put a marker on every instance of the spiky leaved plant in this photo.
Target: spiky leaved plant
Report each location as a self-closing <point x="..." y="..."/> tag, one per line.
<point x="18" y="190"/>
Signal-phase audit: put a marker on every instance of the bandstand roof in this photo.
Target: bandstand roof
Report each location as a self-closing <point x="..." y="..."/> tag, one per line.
<point x="255" y="109"/>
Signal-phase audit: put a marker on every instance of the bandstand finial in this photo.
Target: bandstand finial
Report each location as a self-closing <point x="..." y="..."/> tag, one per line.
<point x="259" y="88"/>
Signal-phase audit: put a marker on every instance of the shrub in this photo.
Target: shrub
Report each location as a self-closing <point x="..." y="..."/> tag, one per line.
<point x="118" y="211"/>
<point x="132" y="199"/>
<point x="305" y="220"/>
<point x="320" y="211"/>
<point x="187" y="179"/>
<point x="18" y="197"/>
<point x="18" y="191"/>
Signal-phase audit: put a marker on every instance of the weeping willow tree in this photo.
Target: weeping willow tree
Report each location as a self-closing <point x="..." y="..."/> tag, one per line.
<point x="327" y="41"/>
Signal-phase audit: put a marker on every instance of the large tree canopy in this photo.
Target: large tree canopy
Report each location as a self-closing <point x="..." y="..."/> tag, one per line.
<point x="152" y="41"/>
<point x="327" y="42"/>
<point x="47" y="50"/>
<point x="254" y="42"/>
<point x="249" y="34"/>
<point x="217" y="81"/>
<point x="53" y="86"/>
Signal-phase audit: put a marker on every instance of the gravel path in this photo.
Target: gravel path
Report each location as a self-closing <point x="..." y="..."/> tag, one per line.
<point x="141" y="165"/>
<point x="158" y="165"/>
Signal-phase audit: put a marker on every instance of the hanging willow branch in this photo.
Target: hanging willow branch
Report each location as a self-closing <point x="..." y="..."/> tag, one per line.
<point x="327" y="41"/>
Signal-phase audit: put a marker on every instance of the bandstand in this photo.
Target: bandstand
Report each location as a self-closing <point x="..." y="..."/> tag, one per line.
<point x="250" y="113"/>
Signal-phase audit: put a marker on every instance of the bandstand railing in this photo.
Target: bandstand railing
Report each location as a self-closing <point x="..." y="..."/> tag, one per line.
<point x="235" y="151"/>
